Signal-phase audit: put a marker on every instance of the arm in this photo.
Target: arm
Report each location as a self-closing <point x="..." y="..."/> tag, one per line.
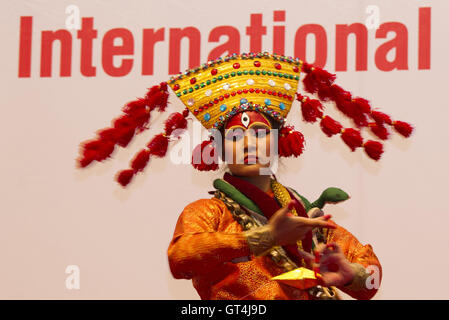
<point x="360" y="256"/>
<point x="198" y="246"/>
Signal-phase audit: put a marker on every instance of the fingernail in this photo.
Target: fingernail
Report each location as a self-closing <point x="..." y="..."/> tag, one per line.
<point x="331" y="225"/>
<point x="291" y="205"/>
<point x="327" y="216"/>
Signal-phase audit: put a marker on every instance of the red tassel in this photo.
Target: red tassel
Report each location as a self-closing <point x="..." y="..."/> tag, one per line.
<point x="311" y="108"/>
<point x="140" y="161"/>
<point x="343" y="101"/>
<point x="157" y="97"/>
<point x="403" y="128"/>
<point x="204" y="157"/>
<point x="352" y="138"/>
<point x="381" y="117"/>
<point x="291" y="142"/>
<point x="108" y="134"/>
<point x="124" y="177"/>
<point x="124" y="121"/>
<point x="141" y="119"/>
<point x="125" y="136"/>
<point x="373" y="149"/>
<point x="134" y="106"/>
<point x="85" y="160"/>
<point x="125" y="127"/>
<point x="379" y="130"/>
<point x="317" y="78"/>
<point x="330" y="126"/>
<point x="158" y="145"/>
<point x="175" y="121"/>
<point x="362" y="105"/>
<point x="95" y="150"/>
<point x="106" y="148"/>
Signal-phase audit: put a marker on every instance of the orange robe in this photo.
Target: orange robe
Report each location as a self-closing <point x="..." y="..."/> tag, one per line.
<point x="209" y="247"/>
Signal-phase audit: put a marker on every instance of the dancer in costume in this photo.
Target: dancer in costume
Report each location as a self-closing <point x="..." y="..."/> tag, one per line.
<point x="255" y="238"/>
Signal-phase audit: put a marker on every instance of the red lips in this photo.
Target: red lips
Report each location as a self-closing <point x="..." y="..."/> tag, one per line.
<point x="250" y="159"/>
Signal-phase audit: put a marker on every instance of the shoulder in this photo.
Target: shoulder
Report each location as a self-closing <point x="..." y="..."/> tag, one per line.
<point x="202" y="214"/>
<point x="205" y="204"/>
<point x="210" y="208"/>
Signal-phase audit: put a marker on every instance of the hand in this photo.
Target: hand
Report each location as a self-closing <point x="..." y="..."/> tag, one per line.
<point x="289" y="229"/>
<point x="330" y="262"/>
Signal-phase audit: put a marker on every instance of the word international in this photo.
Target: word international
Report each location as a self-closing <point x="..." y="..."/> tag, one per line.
<point x="118" y="57"/>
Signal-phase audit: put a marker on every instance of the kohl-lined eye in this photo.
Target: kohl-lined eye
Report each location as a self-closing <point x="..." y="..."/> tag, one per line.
<point x="234" y="134"/>
<point x="260" y="132"/>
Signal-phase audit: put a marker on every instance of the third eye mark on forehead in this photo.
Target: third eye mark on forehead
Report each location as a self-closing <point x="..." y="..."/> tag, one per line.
<point x="237" y="132"/>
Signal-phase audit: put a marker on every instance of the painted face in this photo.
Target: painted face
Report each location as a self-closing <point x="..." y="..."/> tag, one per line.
<point x="246" y="120"/>
<point x="247" y="143"/>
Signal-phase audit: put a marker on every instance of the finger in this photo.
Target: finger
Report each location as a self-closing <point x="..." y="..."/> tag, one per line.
<point x="319" y="223"/>
<point x="285" y="210"/>
<point x="308" y="257"/>
<point x="334" y="247"/>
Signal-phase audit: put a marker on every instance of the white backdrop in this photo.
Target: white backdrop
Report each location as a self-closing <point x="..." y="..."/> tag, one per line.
<point x="54" y="215"/>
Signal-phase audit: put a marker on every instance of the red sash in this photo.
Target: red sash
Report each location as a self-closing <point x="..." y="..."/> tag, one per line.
<point x="269" y="206"/>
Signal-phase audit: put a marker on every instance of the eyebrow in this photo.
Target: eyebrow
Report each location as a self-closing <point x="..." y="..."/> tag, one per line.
<point x="259" y="126"/>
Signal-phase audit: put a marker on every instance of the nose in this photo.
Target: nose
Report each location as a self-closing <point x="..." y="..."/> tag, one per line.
<point x="250" y="141"/>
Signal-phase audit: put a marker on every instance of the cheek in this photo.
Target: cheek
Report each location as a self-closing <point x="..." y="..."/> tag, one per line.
<point x="264" y="142"/>
<point x="229" y="148"/>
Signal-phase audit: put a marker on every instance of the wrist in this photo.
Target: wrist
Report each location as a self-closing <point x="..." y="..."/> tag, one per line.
<point x="260" y="240"/>
<point x="358" y="281"/>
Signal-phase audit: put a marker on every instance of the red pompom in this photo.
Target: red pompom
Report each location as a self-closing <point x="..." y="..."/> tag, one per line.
<point x="157" y="97"/>
<point x="311" y="109"/>
<point x="330" y="126"/>
<point x="381" y="117"/>
<point x="125" y="127"/>
<point x="141" y="119"/>
<point x="318" y="78"/>
<point x="124" y="177"/>
<point x="124" y="136"/>
<point x="379" y="130"/>
<point x="124" y="121"/>
<point x="108" y="134"/>
<point x="175" y="121"/>
<point x="352" y="138"/>
<point x="158" y="145"/>
<point x="403" y="128"/>
<point x="205" y="157"/>
<point x="343" y="101"/>
<point x="106" y="148"/>
<point x="95" y="150"/>
<point x="85" y="160"/>
<point x="134" y="106"/>
<point x="141" y="160"/>
<point x="373" y="149"/>
<point x="291" y="142"/>
<point x="362" y="105"/>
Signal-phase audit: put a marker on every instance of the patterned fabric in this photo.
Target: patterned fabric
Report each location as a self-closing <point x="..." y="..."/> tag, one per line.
<point x="210" y="248"/>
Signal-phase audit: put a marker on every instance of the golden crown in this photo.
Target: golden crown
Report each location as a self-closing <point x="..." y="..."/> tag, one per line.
<point x="217" y="90"/>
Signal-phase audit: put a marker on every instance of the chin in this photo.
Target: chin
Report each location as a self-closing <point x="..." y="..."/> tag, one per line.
<point x="246" y="170"/>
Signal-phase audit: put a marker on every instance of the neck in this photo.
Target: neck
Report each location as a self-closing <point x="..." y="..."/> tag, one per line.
<point x="262" y="182"/>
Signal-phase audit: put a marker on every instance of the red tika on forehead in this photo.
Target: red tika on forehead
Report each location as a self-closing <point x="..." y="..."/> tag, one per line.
<point x="246" y="119"/>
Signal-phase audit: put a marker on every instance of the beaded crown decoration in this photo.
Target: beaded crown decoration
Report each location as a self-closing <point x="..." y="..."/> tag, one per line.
<point x="221" y="88"/>
<point x="216" y="91"/>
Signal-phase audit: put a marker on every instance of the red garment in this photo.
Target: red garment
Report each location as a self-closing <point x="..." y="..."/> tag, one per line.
<point x="209" y="247"/>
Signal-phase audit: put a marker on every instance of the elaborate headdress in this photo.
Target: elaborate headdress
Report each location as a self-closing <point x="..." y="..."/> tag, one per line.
<point x="216" y="91"/>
